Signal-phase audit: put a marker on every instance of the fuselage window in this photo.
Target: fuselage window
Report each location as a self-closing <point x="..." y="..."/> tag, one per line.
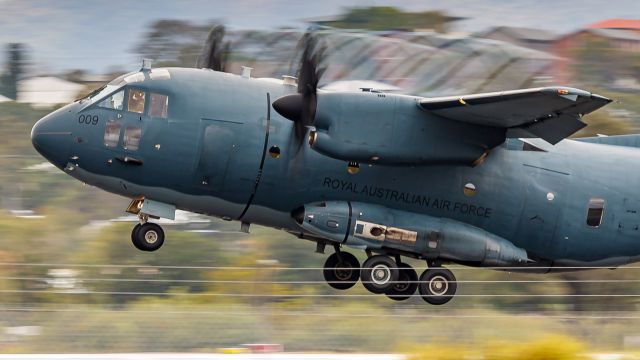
<point x="136" y="101"/>
<point x="132" y="138"/>
<point x="595" y="212"/>
<point x="115" y="101"/>
<point x="158" y="106"/>
<point x="111" y="134"/>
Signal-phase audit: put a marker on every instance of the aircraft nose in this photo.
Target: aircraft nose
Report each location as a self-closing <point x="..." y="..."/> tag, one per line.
<point x="52" y="139"/>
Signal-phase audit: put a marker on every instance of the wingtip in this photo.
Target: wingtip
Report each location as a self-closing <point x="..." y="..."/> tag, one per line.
<point x="601" y="98"/>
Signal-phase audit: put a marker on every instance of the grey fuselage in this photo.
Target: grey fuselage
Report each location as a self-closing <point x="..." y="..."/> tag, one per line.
<point x="211" y="155"/>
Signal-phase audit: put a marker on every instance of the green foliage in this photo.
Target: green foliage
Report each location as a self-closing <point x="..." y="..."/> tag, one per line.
<point x="379" y="18"/>
<point x="173" y="42"/>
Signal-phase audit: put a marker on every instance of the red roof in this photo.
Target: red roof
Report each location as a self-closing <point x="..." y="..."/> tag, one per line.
<point x="628" y="24"/>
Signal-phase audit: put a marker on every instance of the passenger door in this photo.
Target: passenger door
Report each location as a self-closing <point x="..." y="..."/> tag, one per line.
<point x="218" y="142"/>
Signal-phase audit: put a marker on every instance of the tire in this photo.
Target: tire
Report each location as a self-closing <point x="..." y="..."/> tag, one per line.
<point x="406" y="285"/>
<point x="341" y="271"/>
<point x="437" y="286"/>
<point x="134" y="234"/>
<point x="379" y="274"/>
<point x="149" y="237"/>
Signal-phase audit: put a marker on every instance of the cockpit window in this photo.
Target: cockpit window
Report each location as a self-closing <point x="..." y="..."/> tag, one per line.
<point x="115" y="101"/>
<point x="158" y="105"/>
<point x="98" y="93"/>
<point x="136" y="101"/>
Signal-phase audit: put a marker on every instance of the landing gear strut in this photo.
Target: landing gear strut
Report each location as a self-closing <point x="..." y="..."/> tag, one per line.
<point x="341" y="270"/>
<point x="437" y="286"/>
<point x="147" y="236"/>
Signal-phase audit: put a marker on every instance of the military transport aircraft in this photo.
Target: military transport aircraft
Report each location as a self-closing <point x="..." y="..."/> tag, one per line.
<point x="486" y="180"/>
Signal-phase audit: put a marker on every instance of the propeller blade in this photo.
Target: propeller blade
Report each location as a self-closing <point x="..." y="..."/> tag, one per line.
<point x="301" y="107"/>
<point x="215" y="51"/>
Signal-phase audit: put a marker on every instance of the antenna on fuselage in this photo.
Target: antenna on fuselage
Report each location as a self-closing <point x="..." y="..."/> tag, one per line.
<point x="146" y="64"/>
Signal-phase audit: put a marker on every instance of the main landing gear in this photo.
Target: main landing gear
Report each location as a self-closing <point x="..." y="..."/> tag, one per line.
<point x="381" y="274"/>
<point x="341" y="270"/>
<point x="147" y="236"/>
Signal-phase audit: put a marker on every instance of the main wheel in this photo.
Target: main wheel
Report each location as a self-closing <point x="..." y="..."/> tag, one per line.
<point x="437" y="286"/>
<point x="148" y="237"/>
<point x="379" y="273"/>
<point x="341" y="270"/>
<point x="406" y="285"/>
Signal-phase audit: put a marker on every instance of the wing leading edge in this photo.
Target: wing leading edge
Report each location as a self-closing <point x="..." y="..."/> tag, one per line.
<point x="550" y="113"/>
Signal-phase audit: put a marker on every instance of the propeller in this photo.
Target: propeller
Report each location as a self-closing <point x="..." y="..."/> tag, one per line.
<point x="215" y="51"/>
<point x="301" y="107"/>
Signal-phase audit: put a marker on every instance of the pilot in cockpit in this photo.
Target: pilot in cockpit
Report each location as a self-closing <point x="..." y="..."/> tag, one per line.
<point x="136" y="101"/>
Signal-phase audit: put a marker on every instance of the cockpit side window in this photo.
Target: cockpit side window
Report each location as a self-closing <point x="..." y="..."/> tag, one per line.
<point x="158" y="105"/>
<point x="115" y="101"/>
<point x="136" y="101"/>
<point x="132" y="137"/>
<point x="111" y="134"/>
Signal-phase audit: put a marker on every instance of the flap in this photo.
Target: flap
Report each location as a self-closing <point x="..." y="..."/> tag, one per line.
<point x="551" y="113"/>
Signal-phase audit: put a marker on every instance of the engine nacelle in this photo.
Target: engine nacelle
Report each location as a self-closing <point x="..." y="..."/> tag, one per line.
<point x="376" y="227"/>
<point x="375" y="128"/>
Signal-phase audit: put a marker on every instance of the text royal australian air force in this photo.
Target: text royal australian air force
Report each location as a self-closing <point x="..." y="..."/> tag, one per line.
<point x="406" y="197"/>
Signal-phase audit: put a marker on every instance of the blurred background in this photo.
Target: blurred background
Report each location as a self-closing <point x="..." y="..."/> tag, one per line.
<point x="71" y="281"/>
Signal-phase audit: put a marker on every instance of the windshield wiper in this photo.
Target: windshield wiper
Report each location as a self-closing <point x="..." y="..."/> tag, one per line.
<point x="93" y="93"/>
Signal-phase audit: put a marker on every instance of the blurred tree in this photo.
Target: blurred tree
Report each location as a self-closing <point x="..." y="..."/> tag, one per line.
<point x="16" y="61"/>
<point x="173" y="42"/>
<point x="77" y="75"/>
<point x="382" y="18"/>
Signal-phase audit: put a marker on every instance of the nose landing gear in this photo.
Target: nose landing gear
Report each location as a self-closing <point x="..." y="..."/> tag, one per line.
<point x="147" y="236"/>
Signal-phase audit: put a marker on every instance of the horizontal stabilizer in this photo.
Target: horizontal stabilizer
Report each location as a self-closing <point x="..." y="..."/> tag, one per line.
<point x="550" y="113"/>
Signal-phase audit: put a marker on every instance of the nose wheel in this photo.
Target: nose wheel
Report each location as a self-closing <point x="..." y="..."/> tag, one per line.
<point x="147" y="236"/>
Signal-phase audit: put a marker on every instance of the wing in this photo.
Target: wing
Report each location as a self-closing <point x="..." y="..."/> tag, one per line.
<point x="550" y="113"/>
